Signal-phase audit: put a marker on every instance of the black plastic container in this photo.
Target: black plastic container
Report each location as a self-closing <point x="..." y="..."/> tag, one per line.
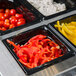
<point x="59" y="34"/>
<point x="70" y="6"/>
<point x="25" y="36"/>
<point x="30" y="16"/>
<point x="26" y="3"/>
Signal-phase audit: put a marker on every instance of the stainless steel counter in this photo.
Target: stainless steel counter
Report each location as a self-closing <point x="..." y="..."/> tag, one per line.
<point x="9" y="67"/>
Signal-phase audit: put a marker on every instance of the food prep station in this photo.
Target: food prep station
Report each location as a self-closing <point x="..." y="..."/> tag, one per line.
<point x="62" y="66"/>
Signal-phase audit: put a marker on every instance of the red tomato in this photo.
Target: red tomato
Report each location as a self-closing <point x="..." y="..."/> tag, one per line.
<point x="6" y="25"/>
<point x="6" y="20"/>
<point x="4" y="29"/>
<point x="6" y="15"/>
<point x="11" y="26"/>
<point x="21" y="19"/>
<point x="1" y="10"/>
<point x="12" y="12"/>
<point x="7" y="11"/>
<point x="18" y="16"/>
<point x="1" y="14"/>
<point x="1" y="23"/>
<point x="20" y="23"/>
<point x="11" y="18"/>
<point x="2" y="18"/>
<point x="13" y="21"/>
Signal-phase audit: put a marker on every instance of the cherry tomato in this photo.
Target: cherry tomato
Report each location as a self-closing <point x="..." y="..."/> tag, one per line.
<point x="12" y="12"/>
<point x="11" y="26"/>
<point x="7" y="11"/>
<point x="6" y="20"/>
<point x="6" y="15"/>
<point x="21" y="19"/>
<point x="18" y="16"/>
<point x="1" y="23"/>
<point x="1" y="10"/>
<point x="11" y="18"/>
<point x="2" y="18"/>
<point x="4" y="29"/>
<point x="20" y="23"/>
<point x="6" y="25"/>
<point x="1" y="14"/>
<point x="13" y="21"/>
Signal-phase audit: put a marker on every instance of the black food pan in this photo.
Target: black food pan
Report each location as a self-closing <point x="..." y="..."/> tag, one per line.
<point x="25" y="36"/>
<point x="29" y="15"/>
<point x="66" y="19"/>
<point x="70" y="6"/>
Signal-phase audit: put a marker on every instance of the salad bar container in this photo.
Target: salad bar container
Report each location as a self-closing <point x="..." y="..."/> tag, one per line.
<point x="70" y="6"/>
<point x="30" y="17"/>
<point x="25" y="36"/>
<point x="37" y="48"/>
<point x="68" y="19"/>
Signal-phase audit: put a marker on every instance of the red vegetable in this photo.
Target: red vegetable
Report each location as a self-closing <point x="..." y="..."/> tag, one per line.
<point x="1" y="23"/>
<point x="6" y="25"/>
<point x="37" y="51"/>
<point x="20" y="23"/>
<point x="1" y="10"/>
<point x="10" y="19"/>
<point x="6" y="15"/>
<point x="12" y="12"/>
<point x="7" y="11"/>
<point x="13" y="20"/>
<point x="11" y="26"/>
<point x="3" y="29"/>
<point x="2" y="18"/>
<point x="18" y="16"/>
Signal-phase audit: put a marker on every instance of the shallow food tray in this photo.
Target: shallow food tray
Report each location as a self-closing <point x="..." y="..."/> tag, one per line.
<point x="70" y="6"/>
<point x="29" y="15"/>
<point x="25" y="36"/>
<point x="64" y="20"/>
<point x="26" y="3"/>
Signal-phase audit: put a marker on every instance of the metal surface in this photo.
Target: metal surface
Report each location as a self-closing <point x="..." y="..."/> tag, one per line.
<point x="9" y="67"/>
<point x="68" y="72"/>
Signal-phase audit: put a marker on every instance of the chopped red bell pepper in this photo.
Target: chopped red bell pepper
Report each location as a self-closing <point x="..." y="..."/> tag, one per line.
<point x="37" y="51"/>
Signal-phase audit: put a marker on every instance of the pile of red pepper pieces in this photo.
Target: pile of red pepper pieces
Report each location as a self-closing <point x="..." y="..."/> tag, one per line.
<point x="37" y="51"/>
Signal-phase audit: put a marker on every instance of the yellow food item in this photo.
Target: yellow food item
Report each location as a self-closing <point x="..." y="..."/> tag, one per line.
<point x="68" y="30"/>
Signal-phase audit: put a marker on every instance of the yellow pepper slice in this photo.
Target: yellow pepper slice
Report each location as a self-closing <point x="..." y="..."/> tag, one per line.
<point x="68" y="30"/>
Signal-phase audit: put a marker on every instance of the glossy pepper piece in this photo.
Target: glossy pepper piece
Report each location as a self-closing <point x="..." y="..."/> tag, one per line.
<point x="68" y="30"/>
<point x="37" y="51"/>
